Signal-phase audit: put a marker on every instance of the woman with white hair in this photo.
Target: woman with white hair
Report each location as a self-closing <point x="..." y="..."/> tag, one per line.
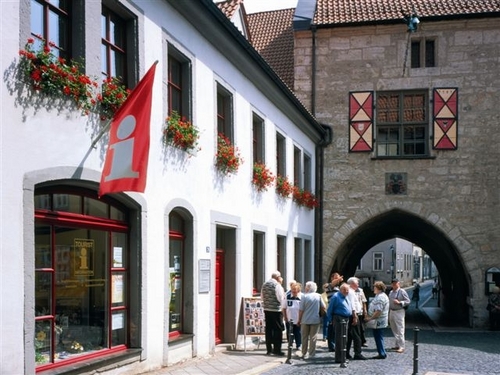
<point x="309" y="318"/>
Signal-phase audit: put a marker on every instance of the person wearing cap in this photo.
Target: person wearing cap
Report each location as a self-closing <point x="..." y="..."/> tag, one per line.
<point x="272" y="295"/>
<point x="398" y="300"/>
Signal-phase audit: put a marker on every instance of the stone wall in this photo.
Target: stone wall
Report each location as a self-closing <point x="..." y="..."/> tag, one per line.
<point x="459" y="188"/>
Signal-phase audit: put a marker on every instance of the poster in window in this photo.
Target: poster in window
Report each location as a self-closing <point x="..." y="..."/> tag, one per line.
<point x="117" y="257"/>
<point x="84" y="257"/>
<point x="117" y="289"/>
<point x="117" y="321"/>
<point x="253" y="313"/>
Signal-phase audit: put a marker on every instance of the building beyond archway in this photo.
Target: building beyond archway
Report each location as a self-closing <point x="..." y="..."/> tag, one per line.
<point x="455" y="284"/>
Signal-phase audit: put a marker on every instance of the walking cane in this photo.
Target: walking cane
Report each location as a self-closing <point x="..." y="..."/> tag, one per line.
<point x="290" y="342"/>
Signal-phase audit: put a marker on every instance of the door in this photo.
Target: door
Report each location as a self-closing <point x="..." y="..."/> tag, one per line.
<point x="219" y="298"/>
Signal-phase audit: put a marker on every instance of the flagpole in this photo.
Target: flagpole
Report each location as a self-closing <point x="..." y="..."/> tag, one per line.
<point x="104" y="129"/>
<point x="106" y="126"/>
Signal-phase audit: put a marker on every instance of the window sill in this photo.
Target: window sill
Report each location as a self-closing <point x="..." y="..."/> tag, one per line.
<point x="104" y="363"/>
<point x="403" y="157"/>
<point x="183" y="337"/>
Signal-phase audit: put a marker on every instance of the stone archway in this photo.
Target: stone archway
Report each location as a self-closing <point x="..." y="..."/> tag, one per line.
<point x="442" y="242"/>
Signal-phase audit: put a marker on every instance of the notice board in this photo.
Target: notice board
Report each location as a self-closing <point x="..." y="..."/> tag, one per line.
<point x="253" y="316"/>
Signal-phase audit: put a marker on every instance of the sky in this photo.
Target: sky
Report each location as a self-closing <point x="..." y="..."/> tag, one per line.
<point x="254" y="6"/>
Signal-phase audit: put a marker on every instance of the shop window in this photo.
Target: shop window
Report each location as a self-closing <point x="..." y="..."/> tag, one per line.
<point x="176" y="265"/>
<point x="51" y="23"/>
<point x="280" y="155"/>
<point x="402" y="124"/>
<point x="179" y="83"/>
<point x="82" y="269"/>
<point x="423" y="53"/>
<point x="225" y="113"/>
<point x="259" y="155"/>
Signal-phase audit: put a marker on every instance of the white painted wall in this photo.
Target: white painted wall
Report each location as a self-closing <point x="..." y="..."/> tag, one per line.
<point x="55" y="137"/>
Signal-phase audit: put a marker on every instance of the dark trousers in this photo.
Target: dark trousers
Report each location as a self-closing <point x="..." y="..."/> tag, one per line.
<point x="274" y="331"/>
<point x="341" y="325"/>
<point x="362" y="330"/>
<point x="354" y="336"/>
<point x="297" y="337"/>
<point x="331" y="337"/>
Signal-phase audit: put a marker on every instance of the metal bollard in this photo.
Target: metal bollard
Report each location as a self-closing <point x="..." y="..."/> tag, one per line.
<point x="343" y="342"/>
<point x="415" y="350"/>
<point x="290" y="342"/>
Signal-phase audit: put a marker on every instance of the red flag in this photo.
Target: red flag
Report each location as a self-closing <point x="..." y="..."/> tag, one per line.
<point x="126" y="162"/>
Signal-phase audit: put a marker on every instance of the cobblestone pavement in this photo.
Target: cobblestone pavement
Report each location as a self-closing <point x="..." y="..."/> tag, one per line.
<point x="471" y="353"/>
<point x="442" y="350"/>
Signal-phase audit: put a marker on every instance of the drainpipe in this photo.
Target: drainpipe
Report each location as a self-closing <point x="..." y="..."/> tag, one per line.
<point x="313" y="72"/>
<point x="319" y="171"/>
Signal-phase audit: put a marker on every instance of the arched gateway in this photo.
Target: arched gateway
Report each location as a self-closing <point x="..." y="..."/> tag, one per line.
<point x="441" y="241"/>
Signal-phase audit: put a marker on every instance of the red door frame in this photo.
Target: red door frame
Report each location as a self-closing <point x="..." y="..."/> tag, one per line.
<point x="219" y="295"/>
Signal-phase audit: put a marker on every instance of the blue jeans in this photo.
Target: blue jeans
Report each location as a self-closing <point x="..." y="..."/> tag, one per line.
<point x="325" y="327"/>
<point x="297" y="336"/>
<point x="378" y="335"/>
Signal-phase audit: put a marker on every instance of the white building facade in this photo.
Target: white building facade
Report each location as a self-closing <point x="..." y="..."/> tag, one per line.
<point x="130" y="282"/>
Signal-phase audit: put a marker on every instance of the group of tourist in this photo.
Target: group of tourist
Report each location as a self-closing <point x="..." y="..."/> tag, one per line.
<point x="343" y="311"/>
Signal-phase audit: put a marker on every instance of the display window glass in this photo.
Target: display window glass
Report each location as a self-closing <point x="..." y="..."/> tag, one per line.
<point x="81" y="273"/>
<point x="176" y="236"/>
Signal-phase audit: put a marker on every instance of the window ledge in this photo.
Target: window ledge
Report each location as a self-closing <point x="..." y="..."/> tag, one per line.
<point x="183" y="337"/>
<point x="104" y="363"/>
<point x="402" y="157"/>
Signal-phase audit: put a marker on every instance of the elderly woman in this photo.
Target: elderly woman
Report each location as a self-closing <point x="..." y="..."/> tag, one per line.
<point x="309" y="319"/>
<point x="378" y="311"/>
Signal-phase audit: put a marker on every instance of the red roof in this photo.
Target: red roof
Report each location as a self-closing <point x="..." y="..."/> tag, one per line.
<point x="272" y="37"/>
<point x="361" y="11"/>
<point x="229" y="7"/>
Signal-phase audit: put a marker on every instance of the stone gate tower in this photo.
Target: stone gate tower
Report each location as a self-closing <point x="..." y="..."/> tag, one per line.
<point x="412" y="94"/>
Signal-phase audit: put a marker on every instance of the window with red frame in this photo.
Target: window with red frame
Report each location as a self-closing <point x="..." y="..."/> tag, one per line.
<point x="113" y="45"/>
<point x="280" y="155"/>
<point x="224" y="113"/>
<point x="176" y="262"/>
<point x="51" y="23"/>
<point x="82" y="275"/>
<point x="179" y="83"/>
<point x="259" y="154"/>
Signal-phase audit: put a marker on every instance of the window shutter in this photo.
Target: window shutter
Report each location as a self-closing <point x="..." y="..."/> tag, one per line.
<point x="445" y="113"/>
<point x="361" y="121"/>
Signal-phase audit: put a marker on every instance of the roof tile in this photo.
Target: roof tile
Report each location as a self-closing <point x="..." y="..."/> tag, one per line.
<point x="330" y="12"/>
<point x="272" y="37"/>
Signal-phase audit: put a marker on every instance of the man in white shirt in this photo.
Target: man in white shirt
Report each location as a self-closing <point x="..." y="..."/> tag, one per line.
<point x="358" y="303"/>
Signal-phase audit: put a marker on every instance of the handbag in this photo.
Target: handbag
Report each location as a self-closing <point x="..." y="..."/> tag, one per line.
<point x="322" y="310"/>
<point x="372" y="323"/>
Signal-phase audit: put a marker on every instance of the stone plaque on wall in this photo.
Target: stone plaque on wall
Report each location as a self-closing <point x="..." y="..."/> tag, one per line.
<point x="396" y="183"/>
